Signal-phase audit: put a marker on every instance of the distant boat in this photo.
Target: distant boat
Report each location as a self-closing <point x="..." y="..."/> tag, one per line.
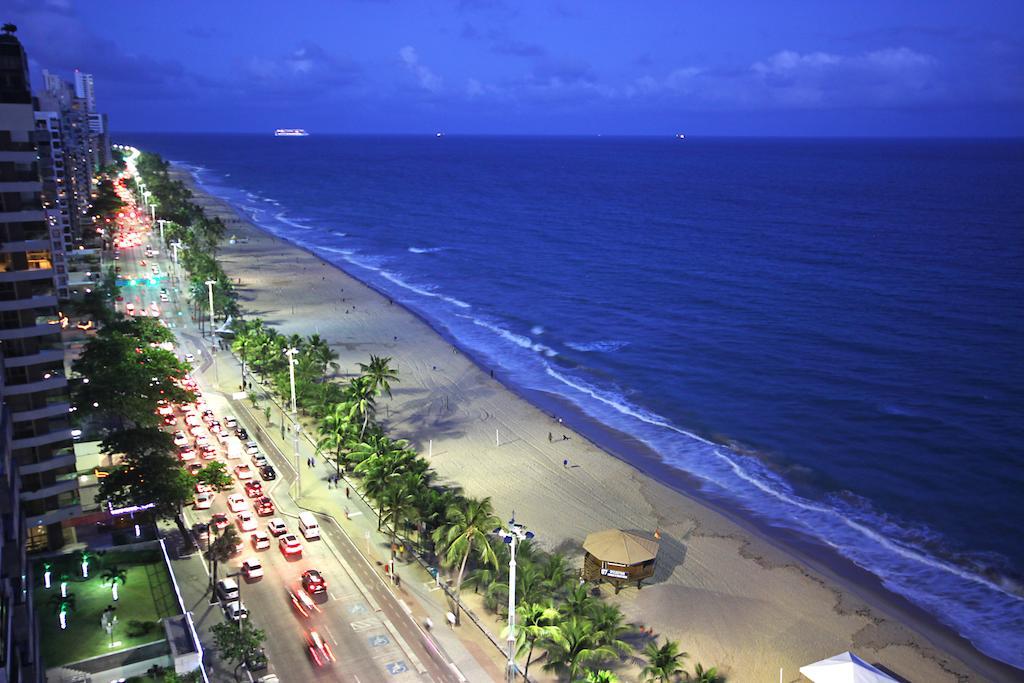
<point x="290" y="133"/>
<point x="680" y="136"/>
<point x="439" y="134"/>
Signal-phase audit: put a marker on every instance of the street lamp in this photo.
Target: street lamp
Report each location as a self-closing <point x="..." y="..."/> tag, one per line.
<point x="161" y="222"/>
<point x="291" y="353"/>
<point x="516" y="533"/>
<point x="209" y="287"/>
<point x="176" y="246"/>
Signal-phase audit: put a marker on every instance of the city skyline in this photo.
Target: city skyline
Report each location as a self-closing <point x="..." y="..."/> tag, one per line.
<point x="566" y="68"/>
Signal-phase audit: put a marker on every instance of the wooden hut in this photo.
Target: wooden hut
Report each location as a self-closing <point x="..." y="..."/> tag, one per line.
<point x="618" y="557"/>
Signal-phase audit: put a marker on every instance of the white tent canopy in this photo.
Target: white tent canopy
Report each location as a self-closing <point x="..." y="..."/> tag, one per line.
<point x="844" y="668"/>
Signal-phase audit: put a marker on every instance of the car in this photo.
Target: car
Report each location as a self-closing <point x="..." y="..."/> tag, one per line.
<point x="253" y="489"/>
<point x="230" y="422"/>
<point x="170" y="420"/>
<point x="164" y="298"/>
<point x="264" y="506"/>
<point x="219" y="520"/>
<point x="251" y="568"/>
<point x="242" y="434"/>
<point x="201" y="487"/>
<point x="236" y="610"/>
<point x="237" y="502"/>
<point x="260" y="540"/>
<point x="268" y="473"/>
<point x="208" y="416"/>
<point x="180" y="439"/>
<point x="129" y="308"/>
<point x="303" y="602"/>
<point x="85" y="325"/>
<point x="260" y="460"/>
<point x="142" y="262"/>
<point x="276" y="527"/>
<point x="194" y="468"/>
<point x="156" y="270"/>
<point x="196" y="431"/>
<point x="246" y="521"/>
<point x="313" y="582"/>
<point x="223" y="435"/>
<point x="189" y="358"/>
<point x="243" y="471"/>
<point x="227" y="589"/>
<point x="202" y="440"/>
<point x="186" y="454"/>
<point x="203" y="500"/>
<point x="165" y="409"/>
<point x="319" y="649"/>
<point x="289" y="545"/>
<point x="252" y="448"/>
<point x="208" y="451"/>
<point x="193" y="420"/>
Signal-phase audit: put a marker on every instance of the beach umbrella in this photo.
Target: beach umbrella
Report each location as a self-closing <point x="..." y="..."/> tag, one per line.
<point x="845" y="668"/>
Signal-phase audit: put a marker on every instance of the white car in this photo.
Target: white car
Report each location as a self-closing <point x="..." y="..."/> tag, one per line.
<point x="196" y="431"/>
<point x="204" y="500"/>
<point x="243" y="471"/>
<point x="260" y="540"/>
<point x="230" y="422"/>
<point x="202" y="440"/>
<point x="189" y="358"/>
<point x="246" y="521"/>
<point x="252" y="448"/>
<point x="193" y="420"/>
<point x="223" y="435"/>
<point x="180" y="439"/>
<point x="276" y="526"/>
<point x="164" y="298"/>
<point x="251" y="568"/>
<point x="237" y="502"/>
<point x="236" y="610"/>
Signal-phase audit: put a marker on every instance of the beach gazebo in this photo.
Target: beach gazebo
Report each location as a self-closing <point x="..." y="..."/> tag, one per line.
<point x="845" y="668"/>
<point x="618" y="557"/>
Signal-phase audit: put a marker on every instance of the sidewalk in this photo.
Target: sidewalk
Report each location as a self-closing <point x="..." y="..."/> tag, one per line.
<point x="475" y="655"/>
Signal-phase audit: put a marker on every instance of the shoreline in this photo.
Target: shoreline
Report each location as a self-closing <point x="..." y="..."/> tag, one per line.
<point x="689" y="518"/>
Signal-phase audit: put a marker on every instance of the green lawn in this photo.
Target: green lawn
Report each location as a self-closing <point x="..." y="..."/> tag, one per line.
<point x="147" y="596"/>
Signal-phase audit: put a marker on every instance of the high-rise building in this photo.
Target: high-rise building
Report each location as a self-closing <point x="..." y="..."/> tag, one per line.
<point x="34" y="434"/>
<point x="35" y="392"/>
<point x="84" y="90"/>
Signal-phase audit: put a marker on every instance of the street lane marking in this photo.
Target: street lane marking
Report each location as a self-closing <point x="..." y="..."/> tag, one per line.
<point x="328" y="629"/>
<point x="364" y="625"/>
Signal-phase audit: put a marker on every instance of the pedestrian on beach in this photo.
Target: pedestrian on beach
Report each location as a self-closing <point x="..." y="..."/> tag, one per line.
<point x="346" y="492"/>
<point x="565" y="437"/>
<point x="565" y="463"/>
<point x="550" y="438"/>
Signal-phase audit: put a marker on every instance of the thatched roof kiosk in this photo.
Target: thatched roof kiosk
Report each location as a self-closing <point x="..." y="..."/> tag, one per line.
<point x="619" y="557"/>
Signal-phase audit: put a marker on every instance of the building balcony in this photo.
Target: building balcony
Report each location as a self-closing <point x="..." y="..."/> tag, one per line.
<point x="54" y="489"/>
<point x="27" y="274"/>
<point x="25" y="245"/>
<point x="61" y="514"/>
<point x="40" y="330"/>
<point x="55" y="355"/>
<point x="55" y="409"/>
<point x="37" y="301"/>
<point x="32" y="215"/>
<point x="54" y="382"/>
<point x="55" y="436"/>
<point x="50" y="464"/>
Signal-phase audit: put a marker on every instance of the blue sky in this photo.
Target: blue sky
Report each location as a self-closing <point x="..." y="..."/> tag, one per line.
<point x="532" y="67"/>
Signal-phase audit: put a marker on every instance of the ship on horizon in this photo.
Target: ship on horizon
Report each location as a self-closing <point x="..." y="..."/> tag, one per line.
<point x="290" y="133"/>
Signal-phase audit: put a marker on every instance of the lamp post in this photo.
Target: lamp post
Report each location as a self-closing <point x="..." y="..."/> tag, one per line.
<point x="161" y="222"/>
<point x="515" y="534"/>
<point x="291" y="353"/>
<point x="177" y="271"/>
<point x="209" y="287"/>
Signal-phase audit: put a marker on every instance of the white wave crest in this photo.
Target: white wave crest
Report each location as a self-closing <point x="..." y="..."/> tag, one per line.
<point x="517" y="339"/>
<point x="609" y="345"/>
<point x="426" y="250"/>
<point x="288" y="221"/>
<point x="391" y="277"/>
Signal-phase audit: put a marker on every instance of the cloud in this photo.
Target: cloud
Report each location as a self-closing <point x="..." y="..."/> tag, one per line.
<point x="426" y="78"/>
<point x="308" y="69"/>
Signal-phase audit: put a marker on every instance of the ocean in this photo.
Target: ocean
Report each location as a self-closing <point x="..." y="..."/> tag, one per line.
<point x="827" y="334"/>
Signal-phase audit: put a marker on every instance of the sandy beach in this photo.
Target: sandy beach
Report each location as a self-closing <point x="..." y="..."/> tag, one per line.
<point x="732" y="597"/>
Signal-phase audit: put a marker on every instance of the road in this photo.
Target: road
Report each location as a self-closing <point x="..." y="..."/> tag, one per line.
<point x="369" y="630"/>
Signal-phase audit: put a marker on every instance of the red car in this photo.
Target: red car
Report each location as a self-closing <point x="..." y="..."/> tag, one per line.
<point x="319" y="648"/>
<point x="264" y="506"/>
<point x="220" y="520"/>
<point x="253" y="489"/>
<point x="169" y="420"/>
<point x="289" y="545"/>
<point x="313" y="582"/>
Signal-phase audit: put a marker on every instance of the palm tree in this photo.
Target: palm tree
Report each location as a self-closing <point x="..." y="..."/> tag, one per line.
<point x="114" y="575"/>
<point x="606" y="621"/>
<point x="321" y="353"/>
<point x="467" y="528"/>
<point x="400" y="500"/>
<point x="9" y="29"/>
<point x="361" y="405"/>
<point x="557" y="573"/>
<point x="578" y="647"/>
<point x="380" y="373"/>
<point x="578" y="602"/>
<point x="662" y="662"/>
<point x="702" y="675"/>
<point x="63" y="606"/>
<point x="537" y="621"/>
<point x="602" y="676"/>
